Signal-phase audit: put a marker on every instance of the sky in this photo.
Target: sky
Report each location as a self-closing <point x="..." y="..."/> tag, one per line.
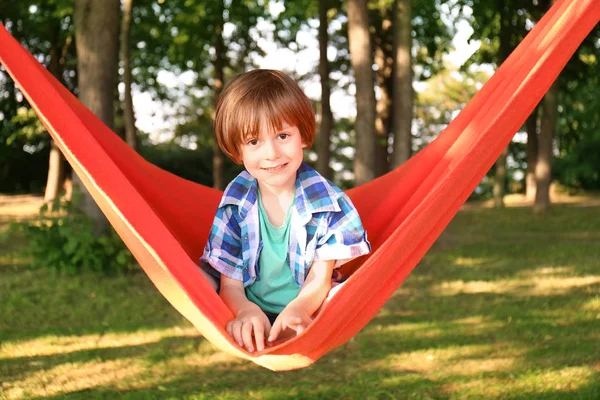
<point x="157" y="119"/>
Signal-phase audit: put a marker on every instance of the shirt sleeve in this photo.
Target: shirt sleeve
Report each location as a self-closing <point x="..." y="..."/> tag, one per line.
<point x="345" y="237"/>
<point x="223" y="251"/>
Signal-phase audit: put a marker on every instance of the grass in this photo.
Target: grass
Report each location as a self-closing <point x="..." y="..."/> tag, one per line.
<point x="506" y="305"/>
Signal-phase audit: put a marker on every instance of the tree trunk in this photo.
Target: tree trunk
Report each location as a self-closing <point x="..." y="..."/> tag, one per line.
<point x="543" y="167"/>
<point x="56" y="169"/>
<point x="385" y="66"/>
<point x="360" y="57"/>
<point x="326" y="126"/>
<point x="96" y="40"/>
<point x="532" y="154"/>
<point x="56" y="162"/>
<point x="500" y="178"/>
<point x="218" y="157"/>
<point x="403" y="91"/>
<point x="128" y="113"/>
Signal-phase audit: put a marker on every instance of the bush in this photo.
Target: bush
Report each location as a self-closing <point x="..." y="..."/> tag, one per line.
<point x="62" y="239"/>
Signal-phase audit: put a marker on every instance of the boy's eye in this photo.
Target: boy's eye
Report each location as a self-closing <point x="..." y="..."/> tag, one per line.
<point x="252" y="142"/>
<point x="283" y="135"/>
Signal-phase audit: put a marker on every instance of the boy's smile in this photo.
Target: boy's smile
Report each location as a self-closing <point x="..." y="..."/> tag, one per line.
<point x="276" y="168"/>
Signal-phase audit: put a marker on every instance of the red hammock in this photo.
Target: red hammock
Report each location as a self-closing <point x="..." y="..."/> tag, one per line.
<point x="165" y="220"/>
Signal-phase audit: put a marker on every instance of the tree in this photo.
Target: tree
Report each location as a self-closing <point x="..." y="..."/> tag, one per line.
<point x="128" y="112"/>
<point x="45" y="29"/>
<point x="361" y="59"/>
<point x="531" y="126"/>
<point x="384" y="59"/>
<point x="218" y="156"/>
<point x="326" y="125"/>
<point x="61" y="46"/>
<point x="444" y="95"/>
<point x="500" y="25"/>
<point x="577" y="164"/>
<point x="404" y="35"/>
<point x="543" y="167"/>
<point x="96" y="39"/>
<point x="506" y="46"/>
<point x="403" y="90"/>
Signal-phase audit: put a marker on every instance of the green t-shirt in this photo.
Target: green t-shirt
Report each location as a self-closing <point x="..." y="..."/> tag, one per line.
<point x="276" y="287"/>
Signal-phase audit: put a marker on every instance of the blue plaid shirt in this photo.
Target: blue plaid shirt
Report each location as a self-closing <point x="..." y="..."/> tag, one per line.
<point x="325" y="226"/>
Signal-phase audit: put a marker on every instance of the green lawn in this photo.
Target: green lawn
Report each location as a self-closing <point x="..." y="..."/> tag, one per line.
<point x="506" y="305"/>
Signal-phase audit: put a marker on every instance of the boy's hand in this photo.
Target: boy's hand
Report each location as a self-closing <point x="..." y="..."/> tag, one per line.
<point x="250" y="322"/>
<point x="291" y="317"/>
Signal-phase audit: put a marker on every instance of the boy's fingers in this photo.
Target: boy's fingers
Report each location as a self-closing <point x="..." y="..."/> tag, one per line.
<point x="259" y="335"/>
<point x="298" y="328"/>
<point x="267" y="326"/>
<point x="275" y="330"/>
<point x="236" y="329"/>
<point x="247" y="336"/>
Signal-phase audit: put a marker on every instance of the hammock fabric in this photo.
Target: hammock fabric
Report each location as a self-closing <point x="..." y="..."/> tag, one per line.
<point x="165" y="220"/>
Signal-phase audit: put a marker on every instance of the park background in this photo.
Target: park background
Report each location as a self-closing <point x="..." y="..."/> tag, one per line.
<point x="507" y="303"/>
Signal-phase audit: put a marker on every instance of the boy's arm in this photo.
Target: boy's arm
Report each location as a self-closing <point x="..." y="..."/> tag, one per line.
<point x="297" y="315"/>
<point x="249" y="319"/>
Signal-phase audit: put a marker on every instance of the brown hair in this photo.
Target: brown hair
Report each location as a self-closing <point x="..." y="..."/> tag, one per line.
<point x="256" y="97"/>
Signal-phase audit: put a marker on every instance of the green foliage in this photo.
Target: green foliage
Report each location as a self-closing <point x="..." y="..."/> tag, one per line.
<point x="194" y="165"/>
<point x="180" y="35"/>
<point x="22" y="171"/>
<point x="578" y="127"/>
<point x="45" y="29"/>
<point x="444" y="95"/>
<point x="62" y="239"/>
<point x="580" y="169"/>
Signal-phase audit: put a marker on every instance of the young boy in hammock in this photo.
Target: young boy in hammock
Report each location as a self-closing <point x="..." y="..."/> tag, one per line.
<point x="280" y="228"/>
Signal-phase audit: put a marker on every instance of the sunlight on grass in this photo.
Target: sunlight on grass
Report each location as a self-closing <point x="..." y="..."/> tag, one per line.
<point x="533" y="286"/>
<point x="593" y="305"/>
<point x="471" y="326"/>
<point x="158" y="366"/>
<point x="19" y="206"/>
<point x="470" y="261"/>
<point x="441" y="363"/>
<point x="50" y="345"/>
<point x="552" y="271"/>
<point x="72" y="377"/>
<point x="568" y="379"/>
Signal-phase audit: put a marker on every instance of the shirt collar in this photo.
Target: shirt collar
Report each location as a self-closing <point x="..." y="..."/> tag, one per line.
<point x="314" y="193"/>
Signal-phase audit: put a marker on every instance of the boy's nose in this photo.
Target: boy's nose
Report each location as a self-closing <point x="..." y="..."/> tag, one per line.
<point x="271" y="150"/>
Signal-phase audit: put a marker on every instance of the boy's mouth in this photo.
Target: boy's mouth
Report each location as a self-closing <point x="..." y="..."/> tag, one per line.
<point x="276" y="168"/>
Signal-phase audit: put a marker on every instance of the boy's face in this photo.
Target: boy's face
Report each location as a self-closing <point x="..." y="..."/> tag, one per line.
<point x="274" y="157"/>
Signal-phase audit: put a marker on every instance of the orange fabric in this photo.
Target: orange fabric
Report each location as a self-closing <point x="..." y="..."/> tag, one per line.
<point x="165" y="220"/>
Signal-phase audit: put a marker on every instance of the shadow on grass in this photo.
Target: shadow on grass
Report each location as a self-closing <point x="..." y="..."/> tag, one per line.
<point x="216" y="382"/>
<point x="496" y="261"/>
<point x="167" y="348"/>
<point x="587" y="392"/>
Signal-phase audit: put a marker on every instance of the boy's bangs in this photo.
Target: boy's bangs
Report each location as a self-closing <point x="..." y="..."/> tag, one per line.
<point x="261" y="111"/>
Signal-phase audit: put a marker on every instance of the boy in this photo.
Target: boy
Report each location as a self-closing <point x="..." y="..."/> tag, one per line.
<point x="281" y="228"/>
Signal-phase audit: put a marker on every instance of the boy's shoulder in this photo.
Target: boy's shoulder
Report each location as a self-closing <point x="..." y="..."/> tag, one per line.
<point x="318" y="193"/>
<point x="311" y="180"/>
<point x="241" y="188"/>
